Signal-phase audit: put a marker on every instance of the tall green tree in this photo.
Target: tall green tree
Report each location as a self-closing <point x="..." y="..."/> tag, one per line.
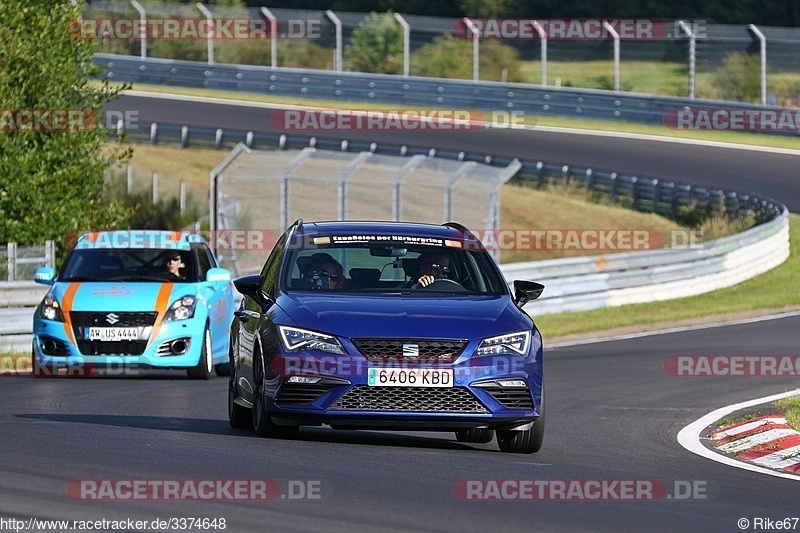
<point x="51" y="172"/>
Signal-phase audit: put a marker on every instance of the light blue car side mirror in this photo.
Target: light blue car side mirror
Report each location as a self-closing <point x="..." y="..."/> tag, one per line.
<point x="218" y="275"/>
<point x="44" y="275"/>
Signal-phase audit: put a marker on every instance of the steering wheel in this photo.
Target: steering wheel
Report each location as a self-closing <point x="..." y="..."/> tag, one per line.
<point x="445" y="284"/>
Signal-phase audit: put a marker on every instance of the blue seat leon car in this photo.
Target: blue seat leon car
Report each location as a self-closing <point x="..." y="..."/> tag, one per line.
<point x="134" y="299"/>
<point x="388" y="326"/>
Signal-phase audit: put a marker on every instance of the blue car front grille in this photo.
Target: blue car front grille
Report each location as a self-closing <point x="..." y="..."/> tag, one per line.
<point x="428" y="350"/>
<point x="413" y="399"/>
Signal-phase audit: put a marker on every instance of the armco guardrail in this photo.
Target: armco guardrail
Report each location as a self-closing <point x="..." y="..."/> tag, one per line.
<point x="17" y="303"/>
<point x="642" y="193"/>
<point x="584" y="283"/>
<point x="411" y="91"/>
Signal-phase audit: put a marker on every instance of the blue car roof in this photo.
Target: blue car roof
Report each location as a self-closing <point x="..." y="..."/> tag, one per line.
<point x="138" y="239"/>
<point x="381" y="228"/>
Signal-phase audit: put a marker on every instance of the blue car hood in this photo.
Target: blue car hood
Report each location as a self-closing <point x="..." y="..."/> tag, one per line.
<point x="462" y="317"/>
<point x="134" y="297"/>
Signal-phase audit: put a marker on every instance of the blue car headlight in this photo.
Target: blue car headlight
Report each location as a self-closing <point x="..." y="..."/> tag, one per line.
<point x="51" y="309"/>
<point x="181" y="309"/>
<point x="511" y="343"/>
<point x="296" y="339"/>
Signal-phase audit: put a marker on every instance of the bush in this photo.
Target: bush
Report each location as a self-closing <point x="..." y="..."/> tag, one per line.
<point x="376" y="45"/>
<point x="449" y="57"/>
<point x="302" y="53"/>
<point x="739" y="78"/>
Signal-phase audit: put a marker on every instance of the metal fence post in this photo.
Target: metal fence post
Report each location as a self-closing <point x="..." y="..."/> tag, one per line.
<point x="50" y="253"/>
<point x="273" y="36"/>
<point x="142" y="27"/>
<point x="129" y="172"/>
<point x="476" y="35"/>
<point x="155" y="188"/>
<point x="692" y="54"/>
<point x="406" y="42"/>
<point x="615" y="35"/>
<point x="763" y="41"/>
<point x="337" y="63"/>
<point x="543" y="38"/>
<point x="210" y="35"/>
<point x="183" y="197"/>
<point x="12" y="261"/>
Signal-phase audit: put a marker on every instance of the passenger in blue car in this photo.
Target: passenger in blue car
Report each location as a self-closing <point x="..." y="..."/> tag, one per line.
<point x="324" y="273"/>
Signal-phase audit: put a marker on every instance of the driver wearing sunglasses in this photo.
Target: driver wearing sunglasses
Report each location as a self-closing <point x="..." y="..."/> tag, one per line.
<point x="434" y="265"/>
<point x="174" y="263"/>
<point x="325" y="273"/>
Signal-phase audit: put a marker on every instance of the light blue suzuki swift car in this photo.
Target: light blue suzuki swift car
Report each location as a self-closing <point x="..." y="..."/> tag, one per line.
<point x="134" y="299"/>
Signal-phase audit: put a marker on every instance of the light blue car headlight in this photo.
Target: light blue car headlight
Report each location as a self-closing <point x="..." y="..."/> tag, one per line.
<point x="296" y="339"/>
<point x="51" y="309"/>
<point x="181" y="309"/>
<point x="511" y="343"/>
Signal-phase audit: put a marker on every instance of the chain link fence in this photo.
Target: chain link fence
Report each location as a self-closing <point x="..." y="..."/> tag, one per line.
<point x="658" y="65"/>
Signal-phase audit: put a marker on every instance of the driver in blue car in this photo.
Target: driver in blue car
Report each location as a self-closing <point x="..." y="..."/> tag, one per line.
<point x="434" y="265"/>
<point x="325" y="273"/>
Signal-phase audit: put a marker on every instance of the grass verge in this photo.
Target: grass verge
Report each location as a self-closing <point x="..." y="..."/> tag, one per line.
<point x="791" y="409"/>
<point x="770" y="291"/>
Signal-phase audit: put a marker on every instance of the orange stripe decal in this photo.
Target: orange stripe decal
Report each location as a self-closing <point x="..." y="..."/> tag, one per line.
<point x="66" y="307"/>
<point x="162" y="301"/>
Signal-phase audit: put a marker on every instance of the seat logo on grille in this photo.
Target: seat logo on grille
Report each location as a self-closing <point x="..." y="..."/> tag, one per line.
<point x="410" y="350"/>
<point x="112" y="318"/>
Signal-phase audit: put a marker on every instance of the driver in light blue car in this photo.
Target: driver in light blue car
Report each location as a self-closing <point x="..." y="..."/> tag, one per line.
<point x="134" y="299"/>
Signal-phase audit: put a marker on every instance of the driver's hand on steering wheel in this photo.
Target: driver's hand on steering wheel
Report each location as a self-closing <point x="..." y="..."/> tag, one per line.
<point x="424" y="281"/>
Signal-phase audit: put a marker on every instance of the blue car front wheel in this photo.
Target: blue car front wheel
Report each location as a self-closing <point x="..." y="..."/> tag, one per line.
<point x="202" y="370"/>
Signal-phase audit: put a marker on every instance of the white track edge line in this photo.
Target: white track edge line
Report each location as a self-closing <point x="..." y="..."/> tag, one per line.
<point x="689" y="436"/>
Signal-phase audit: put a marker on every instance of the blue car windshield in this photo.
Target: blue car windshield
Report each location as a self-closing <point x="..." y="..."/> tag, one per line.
<point x="130" y="265"/>
<point x="367" y="267"/>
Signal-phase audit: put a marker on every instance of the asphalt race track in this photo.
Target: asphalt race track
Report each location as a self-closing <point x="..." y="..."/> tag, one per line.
<point x="613" y="412"/>
<point x="774" y="175"/>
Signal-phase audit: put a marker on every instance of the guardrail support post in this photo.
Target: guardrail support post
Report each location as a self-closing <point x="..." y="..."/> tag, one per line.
<point x="210" y="35"/>
<point x="129" y="171"/>
<point x="337" y="66"/>
<point x="273" y="36"/>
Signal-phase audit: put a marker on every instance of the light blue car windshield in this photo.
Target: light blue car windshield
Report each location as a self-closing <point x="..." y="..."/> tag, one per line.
<point x="130" y="265"/>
